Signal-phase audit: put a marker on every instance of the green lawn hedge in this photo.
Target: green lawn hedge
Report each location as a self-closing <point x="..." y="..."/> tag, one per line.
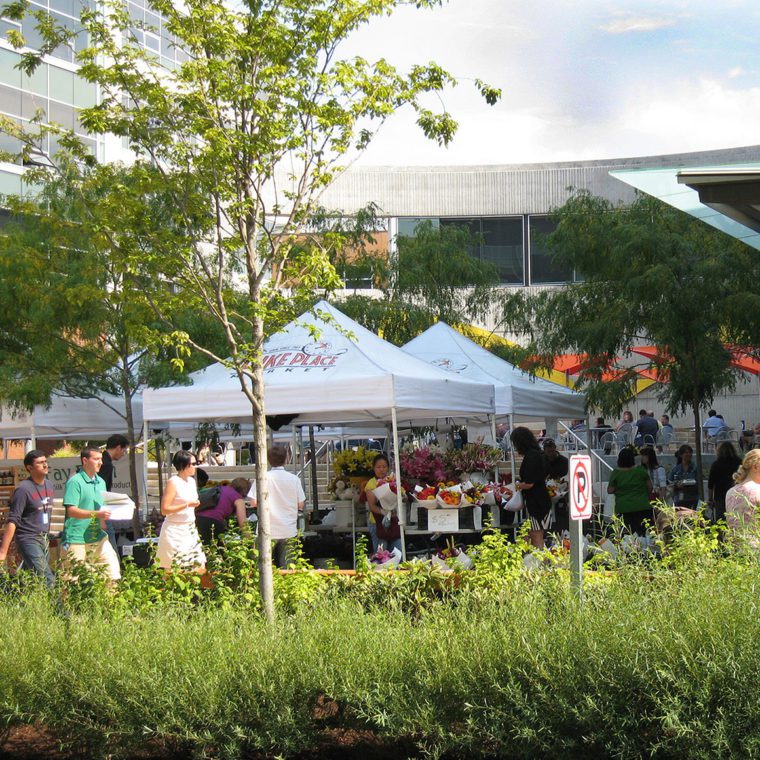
<point x="660" y="660"/>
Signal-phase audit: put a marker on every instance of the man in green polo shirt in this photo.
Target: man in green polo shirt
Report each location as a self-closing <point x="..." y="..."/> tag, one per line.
<point x="84" y="537"/>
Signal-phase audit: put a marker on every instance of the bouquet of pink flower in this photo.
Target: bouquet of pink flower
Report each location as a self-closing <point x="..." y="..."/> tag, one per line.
<point x="426" y="464"/>
<point x="474" y="457"/>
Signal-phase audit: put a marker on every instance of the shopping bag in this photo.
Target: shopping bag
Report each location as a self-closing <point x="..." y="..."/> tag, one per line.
<point x="515" y="504"/>
<point x="609" y="507"/>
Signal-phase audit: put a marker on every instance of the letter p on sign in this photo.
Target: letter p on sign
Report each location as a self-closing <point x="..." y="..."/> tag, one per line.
<point x="581" y="501"/>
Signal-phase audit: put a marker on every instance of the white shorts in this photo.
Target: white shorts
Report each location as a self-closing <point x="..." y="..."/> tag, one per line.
<point x="180" y="544"/>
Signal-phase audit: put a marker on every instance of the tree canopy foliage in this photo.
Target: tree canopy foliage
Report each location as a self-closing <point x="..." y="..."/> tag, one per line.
<point x="432" y="277"/>
<point x="651" y="274"/>
<point x="235" y="142"/>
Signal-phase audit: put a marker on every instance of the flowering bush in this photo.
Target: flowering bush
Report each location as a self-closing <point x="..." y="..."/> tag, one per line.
<point x="474" y="457"/>
<point x="353" y="462"/>
<point x="425" y="464"/>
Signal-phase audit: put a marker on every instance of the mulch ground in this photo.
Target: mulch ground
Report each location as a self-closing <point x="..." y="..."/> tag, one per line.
<point x="34" y="742"/>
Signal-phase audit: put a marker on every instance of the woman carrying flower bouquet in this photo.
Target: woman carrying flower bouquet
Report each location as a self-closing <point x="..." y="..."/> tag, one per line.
<point x="532" y="484"/>
<point x="383" y="528"/>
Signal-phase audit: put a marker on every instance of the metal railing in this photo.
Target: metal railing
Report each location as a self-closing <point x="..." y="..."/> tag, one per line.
<point x="599" y="466"/>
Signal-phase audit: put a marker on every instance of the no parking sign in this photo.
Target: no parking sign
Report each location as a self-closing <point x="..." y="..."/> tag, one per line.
<point x="581" y="502"/>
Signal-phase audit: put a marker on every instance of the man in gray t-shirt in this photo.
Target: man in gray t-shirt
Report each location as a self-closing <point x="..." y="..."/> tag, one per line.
<point x="31" y="508"/>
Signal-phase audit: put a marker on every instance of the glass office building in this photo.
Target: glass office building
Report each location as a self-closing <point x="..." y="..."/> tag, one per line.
<point x="54" y="90"/>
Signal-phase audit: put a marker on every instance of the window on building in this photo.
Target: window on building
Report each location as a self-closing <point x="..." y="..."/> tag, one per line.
<point x="503" y="247"/>
<point x="497" y="239"/>
<point x="542" y="268"/>
<point x="408" y="225"/>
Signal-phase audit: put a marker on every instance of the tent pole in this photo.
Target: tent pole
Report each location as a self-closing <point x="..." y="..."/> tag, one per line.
<point x="397" y="469"/>
<point x="32" y="437"/>
<point x="145" y="465"/>
<point x="495" y="443"/>
<point x="512" y="448"/>
<point x="313" y="468"/>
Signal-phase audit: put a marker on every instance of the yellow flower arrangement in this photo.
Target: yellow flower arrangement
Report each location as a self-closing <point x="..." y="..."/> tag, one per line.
<point x="353" y="462"/>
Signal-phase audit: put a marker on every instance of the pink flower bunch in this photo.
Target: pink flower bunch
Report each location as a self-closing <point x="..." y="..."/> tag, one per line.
<point x="474" y="457"/>
<point x="425" y="464"/>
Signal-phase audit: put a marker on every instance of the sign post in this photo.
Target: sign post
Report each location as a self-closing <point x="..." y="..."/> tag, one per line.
<point x="581" y="505"/>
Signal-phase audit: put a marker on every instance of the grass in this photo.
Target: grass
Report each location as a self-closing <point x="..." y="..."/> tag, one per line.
<point x="658" y="661"/>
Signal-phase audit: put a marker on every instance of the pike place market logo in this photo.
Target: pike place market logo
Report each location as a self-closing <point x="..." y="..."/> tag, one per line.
<point x="449" y="365"/>
<point x="312" y="357"/>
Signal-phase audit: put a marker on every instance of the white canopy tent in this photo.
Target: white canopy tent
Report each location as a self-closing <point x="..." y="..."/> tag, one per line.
<point x="343" y="374"/>
<point x="517" y="392"/>
<point x="68" y="417"/>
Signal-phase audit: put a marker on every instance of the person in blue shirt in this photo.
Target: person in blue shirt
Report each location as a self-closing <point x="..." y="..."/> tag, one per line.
<point x="683" y="477"/>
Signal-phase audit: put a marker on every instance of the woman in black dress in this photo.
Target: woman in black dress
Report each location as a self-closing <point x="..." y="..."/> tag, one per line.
<point x="532" y="484"/>
<point x="721" y="477"/>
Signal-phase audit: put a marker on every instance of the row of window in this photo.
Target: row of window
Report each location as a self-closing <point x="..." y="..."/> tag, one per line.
<point x="151" y="32"/>
<point x="32" y="37"/>
<point x="47" y="81"/>
<point x="502" y="241"/>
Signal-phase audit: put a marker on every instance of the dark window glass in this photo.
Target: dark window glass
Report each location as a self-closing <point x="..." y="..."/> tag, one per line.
<point x="542" y="268"/>
<point x="503" y="247"/>
<point x="407" y="226"/>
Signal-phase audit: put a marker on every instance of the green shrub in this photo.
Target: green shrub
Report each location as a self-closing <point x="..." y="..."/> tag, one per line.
<point x="658" y="660"/>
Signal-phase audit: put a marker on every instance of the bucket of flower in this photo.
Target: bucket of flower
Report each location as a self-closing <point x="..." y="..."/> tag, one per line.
<point x="453" y="509"/>
<point x="451" y="557"/>
<point x="385" y="560"/>
<point x="425" y="496"/>
<point x="449" y="495"/>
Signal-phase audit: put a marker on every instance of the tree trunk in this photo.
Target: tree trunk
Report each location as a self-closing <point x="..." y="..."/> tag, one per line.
<point x="698" y="445"/>
<point x="266" y="582"/>
<point x="130" y="420"/>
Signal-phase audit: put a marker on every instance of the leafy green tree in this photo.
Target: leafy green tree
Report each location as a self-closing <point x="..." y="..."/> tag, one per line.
<point x="240" y="135"/>
<point x="434" y="276"/>
<point x="650" y="274"/>
<point x="76" y="324"/>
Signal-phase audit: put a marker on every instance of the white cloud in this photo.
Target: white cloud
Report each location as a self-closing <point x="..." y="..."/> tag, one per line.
<point x="626" y="24"/>
<point x="693" y="116"/>
<point x="737" y="71"/>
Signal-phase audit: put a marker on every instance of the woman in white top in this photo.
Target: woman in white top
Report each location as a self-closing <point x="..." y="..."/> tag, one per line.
<point x="178" y="541"/>
<point x="743" y="500"/>
<point x="656" y="473"/>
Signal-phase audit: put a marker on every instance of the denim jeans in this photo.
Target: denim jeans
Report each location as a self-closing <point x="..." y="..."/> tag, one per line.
<point x="34" y="552"/>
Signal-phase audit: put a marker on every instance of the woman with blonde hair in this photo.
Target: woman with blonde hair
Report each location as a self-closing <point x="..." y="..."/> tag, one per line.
<point x="743" y="500"/>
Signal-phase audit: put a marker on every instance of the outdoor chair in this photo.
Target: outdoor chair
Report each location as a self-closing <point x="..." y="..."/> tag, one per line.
<point x="609" y="443"/>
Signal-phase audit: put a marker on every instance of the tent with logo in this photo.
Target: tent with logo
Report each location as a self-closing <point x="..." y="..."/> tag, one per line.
<point x="329" y="369"/>
<point x="346" y="374"/>
<point x="516" y="392"/>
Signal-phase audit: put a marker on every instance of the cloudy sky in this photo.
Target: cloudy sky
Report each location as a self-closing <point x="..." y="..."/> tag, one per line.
<point x="581" y="79"/>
